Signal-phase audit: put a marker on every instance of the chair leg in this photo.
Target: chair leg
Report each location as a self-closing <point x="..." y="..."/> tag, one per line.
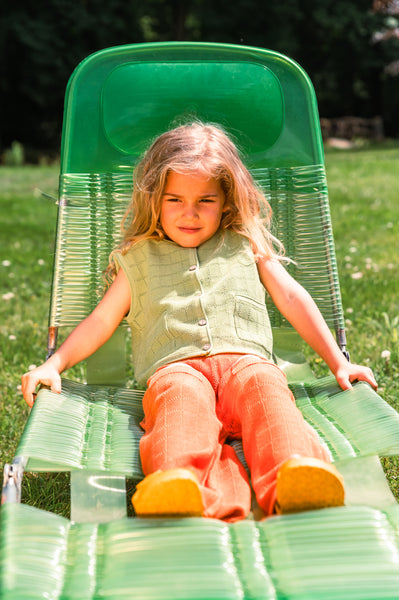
<point x="12" y="481"/>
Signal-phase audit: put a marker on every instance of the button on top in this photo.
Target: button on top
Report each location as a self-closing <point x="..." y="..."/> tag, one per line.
<point x="193" y="268"/>
<point x="206" y="347"/>
<point x="202" y="322"/>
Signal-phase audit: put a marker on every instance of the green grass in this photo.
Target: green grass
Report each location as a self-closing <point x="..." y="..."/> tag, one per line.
<point x="27" y="224"/>
<point x="363" y="188"/>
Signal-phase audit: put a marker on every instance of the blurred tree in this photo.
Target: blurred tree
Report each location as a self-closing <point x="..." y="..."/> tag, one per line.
<point x="169" y="20"/>
<point x="329" y="38"/>
<point x="41" y="42"/>
<point x="386" y="36"/>
<point x="389" y="31"/>
<point x="44" y="40"/>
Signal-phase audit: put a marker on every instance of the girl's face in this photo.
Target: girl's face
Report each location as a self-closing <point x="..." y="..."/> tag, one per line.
<point x="191" y="208"/>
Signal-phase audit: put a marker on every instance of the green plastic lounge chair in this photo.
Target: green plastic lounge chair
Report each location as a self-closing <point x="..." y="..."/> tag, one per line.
<point x="118" y="100"/>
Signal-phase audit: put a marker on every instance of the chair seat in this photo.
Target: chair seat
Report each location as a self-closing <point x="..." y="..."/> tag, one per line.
<point x="98" y="428"/>
<point x="85" y="427"/>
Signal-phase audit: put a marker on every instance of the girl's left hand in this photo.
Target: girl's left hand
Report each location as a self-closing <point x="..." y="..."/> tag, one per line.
<point x="348" y="373"/>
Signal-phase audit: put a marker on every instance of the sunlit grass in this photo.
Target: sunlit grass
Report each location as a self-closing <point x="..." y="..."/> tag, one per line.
<point x="364" y="190"/>
<point x="27" y="225"/>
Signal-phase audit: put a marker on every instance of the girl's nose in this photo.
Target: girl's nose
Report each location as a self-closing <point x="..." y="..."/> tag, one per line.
<point x="190" y="210"/>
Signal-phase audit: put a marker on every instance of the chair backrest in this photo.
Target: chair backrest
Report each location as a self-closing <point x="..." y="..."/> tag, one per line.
<point x="118" y="100"/>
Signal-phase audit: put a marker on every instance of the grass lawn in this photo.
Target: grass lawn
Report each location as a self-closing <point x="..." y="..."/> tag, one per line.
<point x="364" y="189"/>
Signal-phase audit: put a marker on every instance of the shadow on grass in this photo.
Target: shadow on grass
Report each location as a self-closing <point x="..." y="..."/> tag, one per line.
<point x="47" y="491"/>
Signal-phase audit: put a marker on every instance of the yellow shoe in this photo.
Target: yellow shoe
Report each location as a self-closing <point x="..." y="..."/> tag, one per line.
<point x="308" y="484"/>
<point x="171" y="493"/>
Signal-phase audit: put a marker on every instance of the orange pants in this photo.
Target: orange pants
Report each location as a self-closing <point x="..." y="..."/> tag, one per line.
<point x="192" y="407"/>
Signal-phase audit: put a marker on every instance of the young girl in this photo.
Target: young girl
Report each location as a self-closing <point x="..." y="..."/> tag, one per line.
<point x="190" y="277"/>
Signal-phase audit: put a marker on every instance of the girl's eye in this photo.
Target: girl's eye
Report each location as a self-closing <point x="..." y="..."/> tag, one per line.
<point x="207" y="200"/>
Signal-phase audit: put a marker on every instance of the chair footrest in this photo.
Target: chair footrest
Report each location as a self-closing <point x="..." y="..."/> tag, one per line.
<point x="346" y="552"/>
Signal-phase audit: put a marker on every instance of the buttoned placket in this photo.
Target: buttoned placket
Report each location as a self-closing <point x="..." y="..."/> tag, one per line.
<point x="203" y="322"/>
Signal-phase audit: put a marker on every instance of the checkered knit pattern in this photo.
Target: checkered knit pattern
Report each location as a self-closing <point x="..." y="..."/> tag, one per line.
<point x="191" y="408"/>
<point x="190" y="302"/>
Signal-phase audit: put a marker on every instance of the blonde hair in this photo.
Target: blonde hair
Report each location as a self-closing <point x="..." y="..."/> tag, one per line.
<point x="203" y="148"/>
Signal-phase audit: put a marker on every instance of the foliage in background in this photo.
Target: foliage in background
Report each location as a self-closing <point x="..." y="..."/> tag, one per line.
<point x="389" y="31"/>
<point x="363" y="188"/>
<point x="42" y="42"/>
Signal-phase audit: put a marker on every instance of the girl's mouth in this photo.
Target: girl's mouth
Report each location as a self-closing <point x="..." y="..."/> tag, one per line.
<point x="189" y="229"/>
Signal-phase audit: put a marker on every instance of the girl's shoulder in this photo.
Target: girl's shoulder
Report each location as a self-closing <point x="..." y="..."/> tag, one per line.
<point x="238" y="243"/>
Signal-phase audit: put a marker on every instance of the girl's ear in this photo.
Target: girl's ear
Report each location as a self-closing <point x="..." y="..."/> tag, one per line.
<point x="229" y="208"/>
<point x="226" y="207"/>
<point x="227" y="215"/>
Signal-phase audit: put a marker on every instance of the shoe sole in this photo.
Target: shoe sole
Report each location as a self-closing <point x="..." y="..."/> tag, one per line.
<point x="308" y="484"/>
<point x="168" y="494"/>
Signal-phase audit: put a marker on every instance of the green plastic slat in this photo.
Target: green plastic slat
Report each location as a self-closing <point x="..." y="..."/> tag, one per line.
<point x="354" y="422"/>
<point x="363" y="417"/>
<point x="338" y="445"/>
<point x="349" y="553"/>
<point x="33" y="546"/>
<point x="91" y="427"/>
<point x="393" y="515"/>
<point x="90" y="211"/>
<point x="252" y="562"/>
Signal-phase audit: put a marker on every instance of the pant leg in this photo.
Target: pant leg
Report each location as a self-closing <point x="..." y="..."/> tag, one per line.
<point x="182" y="430"/>
<point x="256" y="403"/>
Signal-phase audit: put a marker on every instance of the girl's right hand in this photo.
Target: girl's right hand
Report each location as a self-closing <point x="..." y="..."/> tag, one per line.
<point x="85" y="339"/>
<point x="46" y="374"/>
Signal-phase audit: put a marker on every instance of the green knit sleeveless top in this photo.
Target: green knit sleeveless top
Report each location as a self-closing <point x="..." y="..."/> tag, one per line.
<point x="188" y="302"/>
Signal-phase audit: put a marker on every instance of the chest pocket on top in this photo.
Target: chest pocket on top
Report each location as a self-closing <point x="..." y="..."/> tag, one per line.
<point x="251" y="321"/>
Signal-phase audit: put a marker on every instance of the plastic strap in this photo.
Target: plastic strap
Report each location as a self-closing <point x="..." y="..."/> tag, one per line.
<point x="107" y="365"/>
<point x="97" y="497"/>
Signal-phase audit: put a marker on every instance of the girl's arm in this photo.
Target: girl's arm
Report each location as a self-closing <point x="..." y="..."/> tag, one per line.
<point x="84" y="340"/>
<point x="298" y="307"/>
